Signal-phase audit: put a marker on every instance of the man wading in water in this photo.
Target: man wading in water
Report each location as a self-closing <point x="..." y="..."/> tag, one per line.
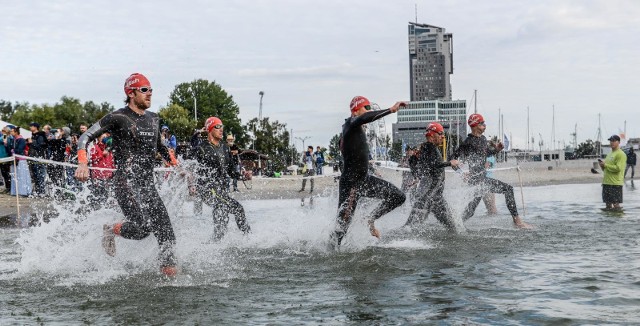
<point x="356" y="181"/>
<point x="136" y="140"/>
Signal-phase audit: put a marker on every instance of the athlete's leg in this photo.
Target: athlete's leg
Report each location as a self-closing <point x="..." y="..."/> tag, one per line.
<point x="347" y="203"/>
<point x="499" y="187"/>
<point x="391" y="196"/>
<point x="471" y="207"/>
<point x="238" y="211"/>
<point x="441" y="211"/>
<point x="420" y="209"/>
<point x="134" y="227"/>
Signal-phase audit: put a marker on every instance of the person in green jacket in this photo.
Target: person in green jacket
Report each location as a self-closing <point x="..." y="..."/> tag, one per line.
<point x="613" y="180"/>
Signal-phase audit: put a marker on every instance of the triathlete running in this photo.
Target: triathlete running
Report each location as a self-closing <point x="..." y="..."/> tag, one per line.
<point x="475" y="150"/>
<point x="430" y="168"/>
<point x="216" y="165"/>
<point x="136" y="140"/>
<point x="355" y="181"/>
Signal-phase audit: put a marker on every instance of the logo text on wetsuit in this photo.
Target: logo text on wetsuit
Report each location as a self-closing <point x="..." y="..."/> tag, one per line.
<point x="146" y="133"/>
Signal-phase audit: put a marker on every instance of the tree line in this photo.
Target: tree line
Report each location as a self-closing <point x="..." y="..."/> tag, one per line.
<point x="190" y="104"/>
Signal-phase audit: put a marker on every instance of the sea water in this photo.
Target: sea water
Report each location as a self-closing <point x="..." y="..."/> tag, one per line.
<point x="578" y="266"/>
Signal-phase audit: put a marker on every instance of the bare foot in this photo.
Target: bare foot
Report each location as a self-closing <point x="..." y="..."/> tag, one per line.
<point x="520" y="224"/>
<point x="372" y="228"/>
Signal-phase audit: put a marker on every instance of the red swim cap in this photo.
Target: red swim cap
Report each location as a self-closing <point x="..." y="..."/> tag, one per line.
<point x="434" y="128"/>
<point x="134" y="81"/>
<point x="212" y="122"/>
<point x="475" y="119"/>
<point x="358" y="102"/>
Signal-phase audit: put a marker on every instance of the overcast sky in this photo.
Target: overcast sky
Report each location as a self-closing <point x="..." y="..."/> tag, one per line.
<point x="311" y="57"/>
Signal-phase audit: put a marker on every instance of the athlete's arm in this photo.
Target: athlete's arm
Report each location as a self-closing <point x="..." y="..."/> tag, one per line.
<point x="97" y="129"/>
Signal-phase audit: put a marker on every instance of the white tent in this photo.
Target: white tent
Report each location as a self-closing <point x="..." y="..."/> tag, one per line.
<point x="24" y="132"/>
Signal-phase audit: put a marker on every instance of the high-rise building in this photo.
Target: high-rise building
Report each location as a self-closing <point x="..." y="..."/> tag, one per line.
<point x="413" y="120"/>
<point x="430" y="62"/>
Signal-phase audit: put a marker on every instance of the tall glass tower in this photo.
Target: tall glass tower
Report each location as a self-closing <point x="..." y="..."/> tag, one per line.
<point x="430" y="62"/>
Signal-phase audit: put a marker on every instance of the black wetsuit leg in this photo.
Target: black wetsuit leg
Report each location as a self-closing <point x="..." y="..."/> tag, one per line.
<point x="499" y="187"/>
<point x="441" y="211"/>
<point x="144" y="210"/>
<point x="391" y="196"/>
<point x="421" y="204"/>
<point x="223" y="205"/>
<point x="489" y="185"/>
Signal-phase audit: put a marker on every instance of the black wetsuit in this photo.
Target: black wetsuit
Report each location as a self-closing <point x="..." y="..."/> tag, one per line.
<point x="216" y="165"/>
<point x="475" y="151"/>
<point x="355" y="181"/>
<point x="429" y="197"/>
<point x="136" y="140"/>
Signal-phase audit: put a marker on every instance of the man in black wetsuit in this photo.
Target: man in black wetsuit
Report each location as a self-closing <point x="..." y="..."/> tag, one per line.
<point x="136" y="140"/>
<point x="475" y="150"/>
<point x="215" y="167"/>
<point x="430" y="168"/>
<point x="355" y="181"/>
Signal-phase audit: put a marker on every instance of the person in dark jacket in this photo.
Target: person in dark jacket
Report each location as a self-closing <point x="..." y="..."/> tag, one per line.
<point x="475" y="150"/>
<point x="430" y="166"/>
<point x="631" y="163"/>
<point x="215" y="166"/>
<point x="38" y="148"/>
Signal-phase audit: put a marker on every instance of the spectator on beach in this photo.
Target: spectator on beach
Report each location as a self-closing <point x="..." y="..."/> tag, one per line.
<point x="308" y="170"/>
<point x="21" y="179"/>
<point x="83" y="128"/>
<point x="319" y="160"/>
<point x="72" y="157"/>
<point x="631" y="163"/>
<point x="38" y="149"/>
<point x="48" y="132"/>
<point x="101" y="157"/>
<point x="613" y="174"/>
<point x="168" y="139"/>
<point x="235" y="160"/>
<point x="5" y="151"/>
<point x="58" y="147"/>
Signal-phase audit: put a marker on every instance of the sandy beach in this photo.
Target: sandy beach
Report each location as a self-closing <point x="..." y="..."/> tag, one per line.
<point x="531" y="174"/>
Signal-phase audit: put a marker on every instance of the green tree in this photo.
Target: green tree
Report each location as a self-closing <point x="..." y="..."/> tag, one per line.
<point x="334" y="148"/>
<point x="211" y="100"/>
<point x="395" y="153"/>
<point x="179" y="121"/>
<point x="272" y="139"/>
<point x="6" y="110"/>
<point x="585" y="149"/>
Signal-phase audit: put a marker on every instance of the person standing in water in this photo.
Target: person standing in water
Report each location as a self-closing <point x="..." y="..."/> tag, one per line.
<point x="475" y="150"/>
<point x="215" y="167"/>
<point x="430" y="197"/>
<point x="136" y="140"/>
<point x="613" y="168"/>
<point x="355" y="181"/>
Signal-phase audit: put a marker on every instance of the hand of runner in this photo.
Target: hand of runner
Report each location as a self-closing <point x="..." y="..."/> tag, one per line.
<point x="82" y="172"/>
<point x="397" y="106"/>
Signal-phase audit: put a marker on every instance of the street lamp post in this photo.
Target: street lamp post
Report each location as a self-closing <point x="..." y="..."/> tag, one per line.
<point x="195" y="103"/>
<point x="261" y="93"/>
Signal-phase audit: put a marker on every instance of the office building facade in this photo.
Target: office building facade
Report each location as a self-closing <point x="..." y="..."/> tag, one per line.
<point x="413" y="120"/>
<point x="430" y="62"/>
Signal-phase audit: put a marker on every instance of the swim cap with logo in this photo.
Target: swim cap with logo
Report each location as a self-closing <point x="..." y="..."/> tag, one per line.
<point x="134" y="81"/>
<point x="475" y="119"/>
<point x="358" y="102"/>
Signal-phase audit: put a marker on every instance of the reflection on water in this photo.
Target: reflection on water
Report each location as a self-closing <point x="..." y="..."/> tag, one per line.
<point x="579" y="266"/>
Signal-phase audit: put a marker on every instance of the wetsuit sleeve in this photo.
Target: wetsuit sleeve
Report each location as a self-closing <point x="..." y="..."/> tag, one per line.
<point x="106" y="123"/>
<point x="369" y="117"/>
